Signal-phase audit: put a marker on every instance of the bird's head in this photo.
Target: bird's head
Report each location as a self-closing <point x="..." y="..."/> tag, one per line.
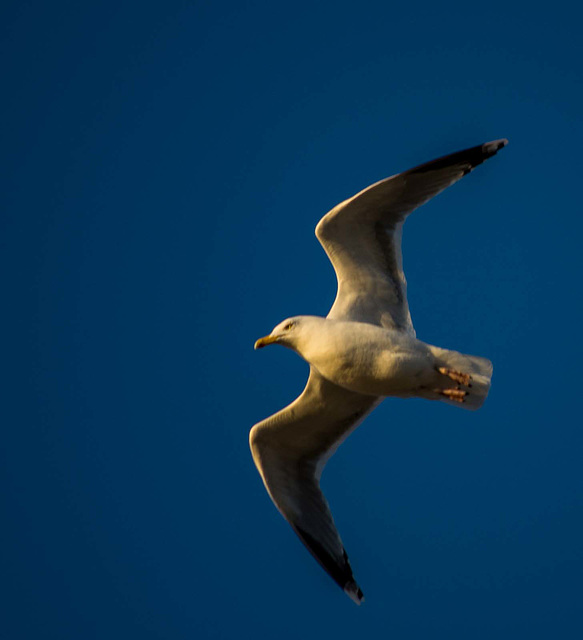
<point x="285" y="333"/>
<point x="293" y="333"/>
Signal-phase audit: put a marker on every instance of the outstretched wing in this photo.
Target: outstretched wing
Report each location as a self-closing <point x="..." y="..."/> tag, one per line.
<point x="290" y="450"/>
<point x="362" y="238"/>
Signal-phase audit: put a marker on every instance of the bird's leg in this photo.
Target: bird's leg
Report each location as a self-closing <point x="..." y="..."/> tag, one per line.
<point x="459" y="395"/>
<point x="456" y="376"/>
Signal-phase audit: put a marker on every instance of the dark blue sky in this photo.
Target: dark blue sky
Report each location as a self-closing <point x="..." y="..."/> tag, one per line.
<point x="164" y="166"/>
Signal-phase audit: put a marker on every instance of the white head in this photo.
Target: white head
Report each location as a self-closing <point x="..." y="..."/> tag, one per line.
<point x="290" y="332"/>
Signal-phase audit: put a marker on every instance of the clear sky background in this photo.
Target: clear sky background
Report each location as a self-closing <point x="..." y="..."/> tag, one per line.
<point x="164" y="166"/>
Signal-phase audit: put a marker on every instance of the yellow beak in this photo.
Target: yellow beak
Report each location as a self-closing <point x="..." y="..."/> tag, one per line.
<point x="263" y="342"/>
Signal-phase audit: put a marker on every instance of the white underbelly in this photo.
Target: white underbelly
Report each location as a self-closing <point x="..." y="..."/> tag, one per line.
<point x="384" y="373"/>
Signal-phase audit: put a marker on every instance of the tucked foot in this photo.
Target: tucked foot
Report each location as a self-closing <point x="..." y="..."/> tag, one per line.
<point x="459" y="395"/>
<point x="456" y="376"/>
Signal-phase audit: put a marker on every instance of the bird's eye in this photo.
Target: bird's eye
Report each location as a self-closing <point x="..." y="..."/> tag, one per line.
<point x="288" y="326"/>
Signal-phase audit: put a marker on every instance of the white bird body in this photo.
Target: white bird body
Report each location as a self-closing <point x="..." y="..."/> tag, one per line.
<point x="365" y="358"/>
<point x="375" y="361"/>
<point x="363" y="351"/>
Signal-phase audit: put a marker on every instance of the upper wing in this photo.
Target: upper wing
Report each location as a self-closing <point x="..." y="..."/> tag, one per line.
<point x="290" y="450"/>
<point x="362" y="237"/>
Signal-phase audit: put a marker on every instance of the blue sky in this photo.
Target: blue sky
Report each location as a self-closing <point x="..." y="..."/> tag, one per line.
<point x="164" y="166"/>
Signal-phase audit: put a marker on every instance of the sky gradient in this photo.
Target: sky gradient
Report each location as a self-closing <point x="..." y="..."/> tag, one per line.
<point x="163" y="169"/>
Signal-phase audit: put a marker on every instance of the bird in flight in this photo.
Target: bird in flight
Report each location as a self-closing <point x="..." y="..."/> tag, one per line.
<point x="362" y="352"/>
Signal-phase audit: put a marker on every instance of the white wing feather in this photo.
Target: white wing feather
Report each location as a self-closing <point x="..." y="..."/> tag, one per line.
<point x="290" y="449"/>
<point x="362" y="238"/>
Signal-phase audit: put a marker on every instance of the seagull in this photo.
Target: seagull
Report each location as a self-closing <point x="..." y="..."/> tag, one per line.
<point x="362" y="352"/>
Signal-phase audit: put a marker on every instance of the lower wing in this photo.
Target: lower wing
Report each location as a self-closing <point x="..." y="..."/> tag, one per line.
<point x="290" y="449"/>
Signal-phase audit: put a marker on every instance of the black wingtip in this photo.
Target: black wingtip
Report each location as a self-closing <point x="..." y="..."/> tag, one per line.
<point x="471" y="158"/>
<point x="354" y="592"/>
<point x="491" y="148"/>
<point x="339" y="570"/>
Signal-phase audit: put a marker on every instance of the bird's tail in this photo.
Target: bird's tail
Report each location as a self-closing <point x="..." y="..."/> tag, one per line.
<point x="462" y="373"/>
